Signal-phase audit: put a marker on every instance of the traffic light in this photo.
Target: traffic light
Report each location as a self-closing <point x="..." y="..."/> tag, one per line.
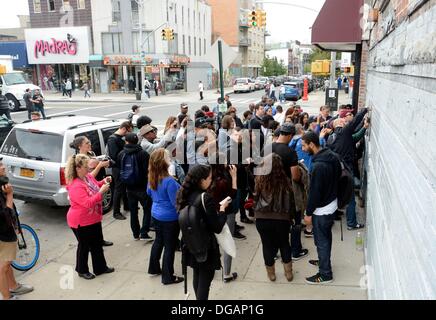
<point x="164" y="34"/>
<point x="253" y="18"/>
<point x="347" y="70"/>
<point x="170" y="34"/>
<point x="262" y="18"/>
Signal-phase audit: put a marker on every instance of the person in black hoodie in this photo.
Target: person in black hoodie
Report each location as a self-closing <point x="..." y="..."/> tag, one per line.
<point x="115" y="145"/>
<point x="342" y="143"/>
<point x="322" y="203"/>
<point x="137" y="192"/>
<point x="196" y="183"/>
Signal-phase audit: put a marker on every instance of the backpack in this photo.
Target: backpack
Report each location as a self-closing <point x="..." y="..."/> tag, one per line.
<point x="345" y="186"/>
<point x="195" y="234"/>
<point x="129" y="170"/>
<point x="301" y="189"/>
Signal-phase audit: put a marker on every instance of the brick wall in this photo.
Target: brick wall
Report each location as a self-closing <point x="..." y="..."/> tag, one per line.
<point x="46" y="19"/>
<point x="401" y="201"/>
<point x="225" y="19"/>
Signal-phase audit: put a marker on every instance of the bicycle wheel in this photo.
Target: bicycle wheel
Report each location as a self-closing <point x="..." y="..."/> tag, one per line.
<point x="27" y="256"/>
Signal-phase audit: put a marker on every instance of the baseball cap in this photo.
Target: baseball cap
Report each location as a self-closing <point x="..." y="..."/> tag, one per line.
<point x="210" y="114"/>
<point x="287" y="128"/>
<point x="146" y="129"/>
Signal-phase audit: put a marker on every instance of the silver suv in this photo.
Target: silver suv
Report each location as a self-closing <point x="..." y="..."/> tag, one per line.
<point x="35" y="155"/>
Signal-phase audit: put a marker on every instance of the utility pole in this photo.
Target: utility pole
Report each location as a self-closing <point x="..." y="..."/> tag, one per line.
<point x="333" y="70"/>
<point x="141" y="47"/>
<point x="220" y="57"/>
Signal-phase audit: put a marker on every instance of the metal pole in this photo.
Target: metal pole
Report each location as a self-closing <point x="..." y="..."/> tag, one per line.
<point x="141" y="48"/>
<point x="333" y="70"/>
<point x="220" y="57"/>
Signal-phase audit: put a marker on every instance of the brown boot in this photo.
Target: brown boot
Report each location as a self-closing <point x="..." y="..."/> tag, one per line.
<point x="271" y="271"/>
<point x="288" y="271"/>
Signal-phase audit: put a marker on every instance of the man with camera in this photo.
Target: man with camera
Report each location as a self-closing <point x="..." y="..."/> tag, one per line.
<point x="9" y="288"/>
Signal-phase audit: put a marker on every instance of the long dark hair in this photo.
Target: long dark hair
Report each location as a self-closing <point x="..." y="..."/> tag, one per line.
<point x="191" y="184"/>
<point x="269" y="184"/>
<point x="77" y="142"/>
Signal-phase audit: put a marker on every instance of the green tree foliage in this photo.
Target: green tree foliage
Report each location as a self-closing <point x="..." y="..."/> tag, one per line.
<point x="273" y="67"/>
<point x="319" y="54"/>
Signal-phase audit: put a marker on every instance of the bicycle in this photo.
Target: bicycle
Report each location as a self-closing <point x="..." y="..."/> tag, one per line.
<point x="28" y="247"/>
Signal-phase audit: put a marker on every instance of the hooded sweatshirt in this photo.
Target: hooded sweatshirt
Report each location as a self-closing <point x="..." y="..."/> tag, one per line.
<point x="142" y="158"/>
<point x="324" y="178"/>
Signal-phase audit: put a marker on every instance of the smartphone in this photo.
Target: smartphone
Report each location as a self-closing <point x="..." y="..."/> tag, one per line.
<point x="228" y="199"/>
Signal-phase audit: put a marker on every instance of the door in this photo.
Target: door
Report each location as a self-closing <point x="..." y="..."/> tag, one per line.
<point x="104" y="81"/>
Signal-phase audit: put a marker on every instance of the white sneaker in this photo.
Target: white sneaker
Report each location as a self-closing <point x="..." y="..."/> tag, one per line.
<point x="21" y="289"/>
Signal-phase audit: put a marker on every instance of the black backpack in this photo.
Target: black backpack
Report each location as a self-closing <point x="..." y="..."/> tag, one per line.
<point x="345" y="185"/>
<point x="195" y="235"/>
<point x="129" y="169"/>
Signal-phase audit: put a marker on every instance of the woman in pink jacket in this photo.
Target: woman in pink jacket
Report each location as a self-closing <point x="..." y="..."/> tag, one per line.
<point x="85" y="215"/>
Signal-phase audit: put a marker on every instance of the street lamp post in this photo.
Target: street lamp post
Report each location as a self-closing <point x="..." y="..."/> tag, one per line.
<point x="141" y="46"/>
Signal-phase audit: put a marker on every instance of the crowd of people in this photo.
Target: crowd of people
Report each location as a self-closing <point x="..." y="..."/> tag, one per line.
<point x="203" y="162"/>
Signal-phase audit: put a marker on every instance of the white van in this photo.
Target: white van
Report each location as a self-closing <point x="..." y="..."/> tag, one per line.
<point x="13" y="85"/>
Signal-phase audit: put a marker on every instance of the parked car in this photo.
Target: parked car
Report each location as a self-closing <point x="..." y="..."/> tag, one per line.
<point x="244" y="85"/>
<point x="6" y="126"/>
<point x="293" y="90"/>
<point x="35" y="155"/>
<point x="261" y="82"/>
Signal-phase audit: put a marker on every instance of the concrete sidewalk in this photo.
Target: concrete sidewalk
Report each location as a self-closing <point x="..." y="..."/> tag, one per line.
<point x="56" y="279"/>
<point x="172" y="97"/>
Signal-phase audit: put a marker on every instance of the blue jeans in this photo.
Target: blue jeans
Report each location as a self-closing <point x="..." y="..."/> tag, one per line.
<point x="322" y="232"/>
<point x="351" y="212"/>
<point x="40" y="109"/>
<point x="167" y="233"/>
<point x="135" y="197"/>
<point x="296" y="246"/>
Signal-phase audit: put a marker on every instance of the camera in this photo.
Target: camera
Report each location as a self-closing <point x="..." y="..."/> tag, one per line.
<point x="102" y="158"/>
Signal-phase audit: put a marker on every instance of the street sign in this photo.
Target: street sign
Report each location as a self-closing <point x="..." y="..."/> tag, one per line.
<point x="229" y="55"/>
<point x="331" y="98"/>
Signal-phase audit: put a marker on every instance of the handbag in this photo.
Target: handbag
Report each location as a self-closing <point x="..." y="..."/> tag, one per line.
<point x="224" y="238"/>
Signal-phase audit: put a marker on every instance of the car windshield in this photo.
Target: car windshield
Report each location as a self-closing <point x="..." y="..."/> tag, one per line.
<point x="36" y="145"/>
<point x="14" y="78"/>
<point x="241" y="81"/>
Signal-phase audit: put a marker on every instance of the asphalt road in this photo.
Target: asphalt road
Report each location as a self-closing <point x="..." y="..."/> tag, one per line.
<point x="159" y="112"/>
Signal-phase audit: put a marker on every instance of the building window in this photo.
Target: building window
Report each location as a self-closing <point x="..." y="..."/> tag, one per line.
<point x="175" y="13"/>
<point x="183" y="15"/>
<point x="173" y="45"/>
<point x="168" y="13"/>
<point x="189" y="44"/>
<point x="199" y="21"/>
<point x="116" y="11"/>
<point x="66" y="5"/>
<point x="37" y="6"/>
<point x="195" y="46"/>
<point x="199" y="47"/>
<point x="112" y="43"/>
<point x="51" y="5"/>
<point x="205" y="46"/>
<point x="184" y="45"/>
<point x="81" y="4"/>
<point x="189" y="18"/>
<point x="147" y="39"/>
<point x="204" y="23"/>
<point x="193" y="17"/>
<point x="135" y="12"/>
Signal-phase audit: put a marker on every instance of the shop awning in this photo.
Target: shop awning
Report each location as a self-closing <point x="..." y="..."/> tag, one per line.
<point x="337" y="27"/>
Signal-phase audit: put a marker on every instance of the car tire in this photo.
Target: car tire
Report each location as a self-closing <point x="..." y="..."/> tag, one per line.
<point x="13" y="103"/>
<point x="108" y="199"/>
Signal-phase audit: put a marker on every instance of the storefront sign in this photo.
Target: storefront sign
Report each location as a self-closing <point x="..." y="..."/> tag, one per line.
<point x="122" y="60"/>
<point x="180" y="60"/>
<point x="175" y="69"/>
<point x="58" y="45"/>
<point x="155" y="70"/>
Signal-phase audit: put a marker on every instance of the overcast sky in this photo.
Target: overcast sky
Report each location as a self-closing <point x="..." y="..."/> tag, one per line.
<point x="284" y="22"/>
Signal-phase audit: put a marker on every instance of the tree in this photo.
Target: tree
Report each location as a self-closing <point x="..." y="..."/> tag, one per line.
<point x="319" y="54"/>
<point x="272" y="67"/>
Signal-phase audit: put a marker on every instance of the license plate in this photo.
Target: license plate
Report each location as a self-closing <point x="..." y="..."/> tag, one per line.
<point x="28" y="173"/>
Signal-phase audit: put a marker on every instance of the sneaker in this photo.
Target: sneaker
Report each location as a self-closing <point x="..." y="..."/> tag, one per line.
<point x="119" y="216"/>
<point x="21" y="289"/>
<point x="177" y="279"/>
<point x="230" y="278"/>
<point x="14" y="298"/>
<point x="239" y="236"/>
<point x="308" y="234"/>
<point x="136" y="238"/>
<point x="146" y="238"/>
<point x="319" y="279"/>
<point x="87" y="276"/>
<point x="302" y="254"/>
<point x="246" y="220"/>
<point x="357" y="226"/>
<point x="314" y="263"/>
<point x="108" y="270"/>
<point x="238" y="227"/>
